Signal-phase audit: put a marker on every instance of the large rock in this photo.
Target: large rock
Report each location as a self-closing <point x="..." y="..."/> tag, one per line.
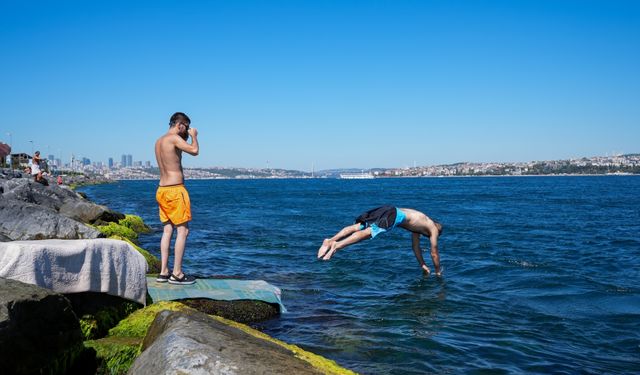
<point x="194" y="343"/>
<point x="88" y="212"/>
<point x="8" y="185"/>
<point x="7" y="173"/>
<point x="28" y="221"/>
<point x="25" y="190"/>
<point x="39" y="332"/>
<point x="61" y="199"/>
<point x="241" y="311"/>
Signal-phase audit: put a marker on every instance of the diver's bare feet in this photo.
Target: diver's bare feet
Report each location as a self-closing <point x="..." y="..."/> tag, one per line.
<point x="331" y="251"/>
<point x="326" y="245"/>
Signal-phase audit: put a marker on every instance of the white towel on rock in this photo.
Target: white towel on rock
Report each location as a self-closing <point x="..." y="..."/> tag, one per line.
<point x="72" y="266"/>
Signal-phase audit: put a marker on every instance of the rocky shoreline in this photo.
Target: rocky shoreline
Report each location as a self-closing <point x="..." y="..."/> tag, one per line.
<point x="95" y="333"/>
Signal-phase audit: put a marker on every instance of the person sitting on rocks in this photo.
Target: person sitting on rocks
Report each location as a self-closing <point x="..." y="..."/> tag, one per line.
<point x="36" y="171"/>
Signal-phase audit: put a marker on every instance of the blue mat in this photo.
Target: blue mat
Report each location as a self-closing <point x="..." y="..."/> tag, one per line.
<point x="217" y="289"/>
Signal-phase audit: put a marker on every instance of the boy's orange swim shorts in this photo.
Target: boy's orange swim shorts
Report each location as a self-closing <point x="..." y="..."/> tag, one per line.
<point x="174" y="204"/>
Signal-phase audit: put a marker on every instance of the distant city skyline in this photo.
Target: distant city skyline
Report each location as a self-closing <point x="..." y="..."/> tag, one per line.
<point x="302" y="85"/>
<point x="598" y="165"/>
<point x="127" y="160"/>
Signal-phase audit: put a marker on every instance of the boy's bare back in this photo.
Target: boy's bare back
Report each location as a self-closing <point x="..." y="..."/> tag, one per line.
<point x="169" y="149"/>
<point x="169" y="159"/>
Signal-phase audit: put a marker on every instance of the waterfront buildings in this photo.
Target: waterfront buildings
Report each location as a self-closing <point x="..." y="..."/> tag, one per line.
<point x="615" y="164"/>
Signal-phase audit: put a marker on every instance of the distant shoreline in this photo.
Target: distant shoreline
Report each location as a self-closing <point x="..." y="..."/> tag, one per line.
<point x="389" y="177"/>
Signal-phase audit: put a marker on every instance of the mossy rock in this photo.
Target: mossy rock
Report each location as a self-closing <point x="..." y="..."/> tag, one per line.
<point x="89" y="327"/>
<point x="241" y="311"/>
<point x="135" y="223"/>
<point x="324" y="365"/>
<point x="99" y="312"/>
<point x="117" y="351"/>
<point x="115" y="354"/>
<point x="97" y="325"/>
<point x="152" y="261"/>
<point x="113" y="229"/>
<point x="137" y="324"/>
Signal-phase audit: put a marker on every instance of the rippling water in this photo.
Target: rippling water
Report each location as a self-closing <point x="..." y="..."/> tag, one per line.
<point x="541" y="274"/>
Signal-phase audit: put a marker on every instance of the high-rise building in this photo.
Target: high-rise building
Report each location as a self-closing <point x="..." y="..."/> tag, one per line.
<point x="123" y="161"/>
<point x="110" y="164"/>
<point x="129" y="160"/>
<point x="147" y="164"/>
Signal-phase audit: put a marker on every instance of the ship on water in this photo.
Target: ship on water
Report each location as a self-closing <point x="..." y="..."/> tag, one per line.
<point x="357" y="176"/>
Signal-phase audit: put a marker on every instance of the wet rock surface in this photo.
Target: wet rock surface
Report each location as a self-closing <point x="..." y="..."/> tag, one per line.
<point x="193" y="343"/>
<point x="241" y="311"/>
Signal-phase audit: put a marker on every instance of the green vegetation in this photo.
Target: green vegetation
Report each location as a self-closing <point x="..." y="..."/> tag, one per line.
<point x="89" y="327"/>
<point x="129" y="228"/>
<point x="137" y="324"/>
<point x="112" y="230"/>
<point x="115" y="355"/>
<point x="117" y="351"/>
<point x="98" y="324"/>
<point x="135" y="223"/>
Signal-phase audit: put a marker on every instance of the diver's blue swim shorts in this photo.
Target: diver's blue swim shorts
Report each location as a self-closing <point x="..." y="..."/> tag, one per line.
<point x="376" y="230"/>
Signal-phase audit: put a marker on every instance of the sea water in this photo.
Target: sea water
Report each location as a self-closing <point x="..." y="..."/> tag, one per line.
<point x="541" y="274"/>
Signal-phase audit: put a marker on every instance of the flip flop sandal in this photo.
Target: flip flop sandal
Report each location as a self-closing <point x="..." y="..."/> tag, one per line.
<point x="184" y="280"/>
<point x="162" y="278"/>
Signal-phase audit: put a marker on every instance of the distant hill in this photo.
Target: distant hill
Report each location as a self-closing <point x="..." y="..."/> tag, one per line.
<point x="625" y="164"/>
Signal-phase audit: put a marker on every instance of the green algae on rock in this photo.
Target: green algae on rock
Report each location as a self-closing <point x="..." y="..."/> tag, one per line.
<point x="322" y="364"/>
<point x="242" y="311"/>
<point x="137" y="324"/>
<point x="117" y="351"/>
<point x="114" y="355"/>
<point x="97" y="323"/>
<point x="135" y="223"/>
<point x="113" y="229"/>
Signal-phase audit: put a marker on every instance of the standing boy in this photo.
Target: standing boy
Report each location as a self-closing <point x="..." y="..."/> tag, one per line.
<point x="172" y="196"/>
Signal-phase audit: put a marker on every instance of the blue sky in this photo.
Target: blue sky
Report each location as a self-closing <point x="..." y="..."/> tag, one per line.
<point x="333" y="84"/>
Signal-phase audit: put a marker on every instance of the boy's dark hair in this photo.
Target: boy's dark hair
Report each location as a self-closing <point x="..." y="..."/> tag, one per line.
<point x="178" y="117"/>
